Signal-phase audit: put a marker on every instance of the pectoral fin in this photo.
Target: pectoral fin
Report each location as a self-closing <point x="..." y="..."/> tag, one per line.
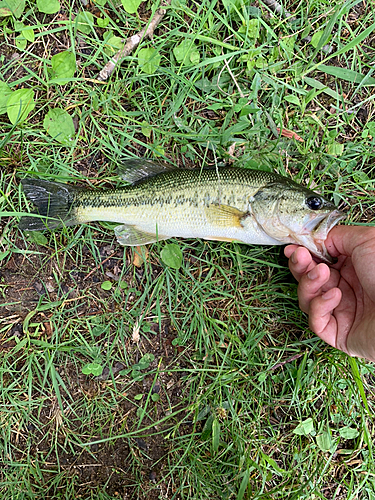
<point x="224" y="216"/>
<point x="132" y="236"/>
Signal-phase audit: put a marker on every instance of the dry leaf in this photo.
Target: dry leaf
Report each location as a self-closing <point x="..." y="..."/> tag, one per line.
<point x="48" y="328"/>
<point x="290" y="134"/>
<point x="231" y="149"/>
<point x="136" y="336"/>
<point x="140" y="256"/>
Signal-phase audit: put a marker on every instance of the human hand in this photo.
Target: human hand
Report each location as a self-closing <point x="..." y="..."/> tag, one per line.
<point x="340" y="299"/>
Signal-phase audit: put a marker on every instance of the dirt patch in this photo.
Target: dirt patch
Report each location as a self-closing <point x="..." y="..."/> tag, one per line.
<point x="60" y="432"/>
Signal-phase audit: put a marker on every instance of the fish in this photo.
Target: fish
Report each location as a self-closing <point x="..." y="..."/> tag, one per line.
<point x="160" y="202"/>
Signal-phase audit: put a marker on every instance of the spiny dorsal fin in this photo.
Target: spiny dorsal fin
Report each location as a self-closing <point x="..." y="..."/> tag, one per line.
<point x="224" y="215"/>
<point x="134" y="170"/>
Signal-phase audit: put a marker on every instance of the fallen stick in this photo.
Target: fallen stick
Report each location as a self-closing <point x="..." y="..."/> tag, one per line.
<point x="133" y="42"/>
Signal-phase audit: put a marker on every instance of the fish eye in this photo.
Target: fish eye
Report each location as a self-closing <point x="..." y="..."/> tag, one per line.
<point x="314" y="202"/>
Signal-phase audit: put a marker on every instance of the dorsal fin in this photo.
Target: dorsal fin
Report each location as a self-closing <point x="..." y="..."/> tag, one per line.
<point x="134" y="170"/>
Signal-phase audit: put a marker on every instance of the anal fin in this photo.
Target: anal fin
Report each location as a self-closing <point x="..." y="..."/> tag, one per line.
<point x="224" y="216"/>
<point x="132" y="236"/>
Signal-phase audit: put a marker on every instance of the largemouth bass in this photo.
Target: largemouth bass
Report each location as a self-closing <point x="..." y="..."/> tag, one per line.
<point x="225" y="204"/>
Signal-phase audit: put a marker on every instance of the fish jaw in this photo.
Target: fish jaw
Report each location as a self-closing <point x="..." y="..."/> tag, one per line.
<point x="315" y="233"/>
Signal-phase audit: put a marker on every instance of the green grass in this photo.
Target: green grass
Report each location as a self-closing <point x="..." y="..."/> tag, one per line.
<point x="238" y="399"/>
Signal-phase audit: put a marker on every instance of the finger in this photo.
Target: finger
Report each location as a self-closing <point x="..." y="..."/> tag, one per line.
<point x="289" y="249"/>
<point x="350" y="307"/>
<point x="358" y="242"/>
<point x="321" y="318"/>
<point x="312" y="284"/>
<point x="342" y="240"/>
<point x="300" y="260"/>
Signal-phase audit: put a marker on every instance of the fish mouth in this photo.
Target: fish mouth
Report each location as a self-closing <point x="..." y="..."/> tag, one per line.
<point x="319" y="228"/>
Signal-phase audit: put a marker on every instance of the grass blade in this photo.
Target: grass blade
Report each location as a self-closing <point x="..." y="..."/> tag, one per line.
<point x="244" y="483"/>
<point x="327" y="32"/>
<point x="347" y="74"/>
<point x="356" y="41"/>
<point x="320" y="86"/>
<point x="358" y="381"/>
<point x="215" y="435"/>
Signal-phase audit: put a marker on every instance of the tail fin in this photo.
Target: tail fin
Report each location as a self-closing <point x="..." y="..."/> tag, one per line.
<point x="54" y="202"/>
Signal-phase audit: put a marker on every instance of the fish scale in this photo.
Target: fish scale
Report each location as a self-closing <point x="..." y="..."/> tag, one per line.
<point x="227" y="203"/>
<point x="148" y="203"/>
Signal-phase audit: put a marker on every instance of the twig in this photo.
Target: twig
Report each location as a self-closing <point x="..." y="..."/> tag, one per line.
<point x="133" y="42"/>
<point x="233" y="78"/>
<point x="289" y="360"/>
<point x="99" y="265"/>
